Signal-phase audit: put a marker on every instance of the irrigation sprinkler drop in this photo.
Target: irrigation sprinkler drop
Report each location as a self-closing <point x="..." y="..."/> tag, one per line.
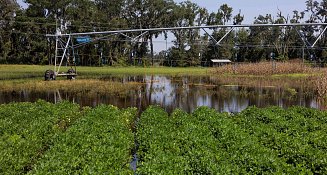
<point x="65" y="46"/>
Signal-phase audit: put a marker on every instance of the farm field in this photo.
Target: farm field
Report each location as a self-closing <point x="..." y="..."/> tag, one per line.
<point x="163" y="87"/>
<point x="255" y="141"/>
<point x="293" y="70"/>
<point x="8" y="72"/>
<point x="40" y="138"/>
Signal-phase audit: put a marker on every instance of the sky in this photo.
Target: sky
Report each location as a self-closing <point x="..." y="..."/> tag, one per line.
<point x="253" y="8"/>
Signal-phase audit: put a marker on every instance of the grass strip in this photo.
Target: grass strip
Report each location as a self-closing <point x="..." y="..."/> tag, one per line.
<point x="8" y="72"/>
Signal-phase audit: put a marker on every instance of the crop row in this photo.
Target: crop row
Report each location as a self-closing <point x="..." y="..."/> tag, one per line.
<point x="255" y="141"/>
<point x="99" y="143"/>
<point x="44" y="138"/>
<point x="297" y="135"/>
<point x="27" y="130"/>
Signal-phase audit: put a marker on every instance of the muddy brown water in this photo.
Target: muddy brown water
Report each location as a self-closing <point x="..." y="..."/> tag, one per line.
<point x="186" y="93"/>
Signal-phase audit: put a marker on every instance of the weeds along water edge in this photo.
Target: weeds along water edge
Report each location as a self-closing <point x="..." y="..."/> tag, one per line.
<point x="269" y="69"/>
<point x="8" y="72"/>
<point x="84" y="86"/>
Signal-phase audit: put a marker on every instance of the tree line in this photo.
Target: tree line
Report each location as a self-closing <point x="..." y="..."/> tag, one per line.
<point x="23" y="32"/>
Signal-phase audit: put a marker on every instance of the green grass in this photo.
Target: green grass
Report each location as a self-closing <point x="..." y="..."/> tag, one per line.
<point x="142" y="71"/>
<point x="8" y="72"/>
<point x="21" y="71"/>
<point x="79" y="87"/>
<point x="33" y="71"/>
<point x="295" y="75"/>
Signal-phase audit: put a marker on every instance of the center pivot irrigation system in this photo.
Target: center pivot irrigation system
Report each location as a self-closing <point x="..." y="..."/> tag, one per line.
<point x="67" y="43"/>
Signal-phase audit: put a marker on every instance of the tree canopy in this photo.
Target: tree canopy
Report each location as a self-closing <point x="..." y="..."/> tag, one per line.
<point x="23" y="32"/>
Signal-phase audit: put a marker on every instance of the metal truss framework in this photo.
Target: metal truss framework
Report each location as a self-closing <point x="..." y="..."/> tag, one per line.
<point x="65" y="42"/>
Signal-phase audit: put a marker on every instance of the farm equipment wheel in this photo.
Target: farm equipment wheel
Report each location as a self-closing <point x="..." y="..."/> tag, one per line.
<point x="49" y="75"/>
<point x="72" y="74"/>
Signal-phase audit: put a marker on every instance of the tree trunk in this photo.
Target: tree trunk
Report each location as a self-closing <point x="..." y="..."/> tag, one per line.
<point x="151" y="46"/>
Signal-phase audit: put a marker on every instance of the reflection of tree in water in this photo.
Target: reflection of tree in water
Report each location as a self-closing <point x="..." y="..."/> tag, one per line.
<point x="186" y="93"/>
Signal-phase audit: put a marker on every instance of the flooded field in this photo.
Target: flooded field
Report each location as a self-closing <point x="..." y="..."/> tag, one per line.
<point x="185" y="92"/>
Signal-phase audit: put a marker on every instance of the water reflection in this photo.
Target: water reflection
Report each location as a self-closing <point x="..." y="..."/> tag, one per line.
<point x="186" y="93"/>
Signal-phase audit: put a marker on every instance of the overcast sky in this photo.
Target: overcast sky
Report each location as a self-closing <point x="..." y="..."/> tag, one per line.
<point x="253" y="8"/>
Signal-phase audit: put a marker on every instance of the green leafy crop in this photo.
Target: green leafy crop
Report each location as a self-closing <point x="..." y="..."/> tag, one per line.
<point x="99" y="143"/>
<point x="45" y="138"/>
<point x="255" y="141"/>
<point x="27" y="130"/>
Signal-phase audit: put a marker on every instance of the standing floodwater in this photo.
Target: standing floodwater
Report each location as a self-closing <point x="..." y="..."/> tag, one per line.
<point x="186" y="93"/>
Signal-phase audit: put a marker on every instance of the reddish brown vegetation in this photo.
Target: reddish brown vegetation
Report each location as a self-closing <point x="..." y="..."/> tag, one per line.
<point x="265" y="68"/>
<point x="321" y="86"/>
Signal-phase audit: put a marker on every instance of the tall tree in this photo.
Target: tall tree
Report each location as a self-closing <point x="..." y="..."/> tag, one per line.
<point x="185" y="14"/>
<point x="8" y="10"/>
<point x="146" y="14"/>
<point x="317" y="11"/>
<point x="225" y="12"/>
<point x="224" y="51"/>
